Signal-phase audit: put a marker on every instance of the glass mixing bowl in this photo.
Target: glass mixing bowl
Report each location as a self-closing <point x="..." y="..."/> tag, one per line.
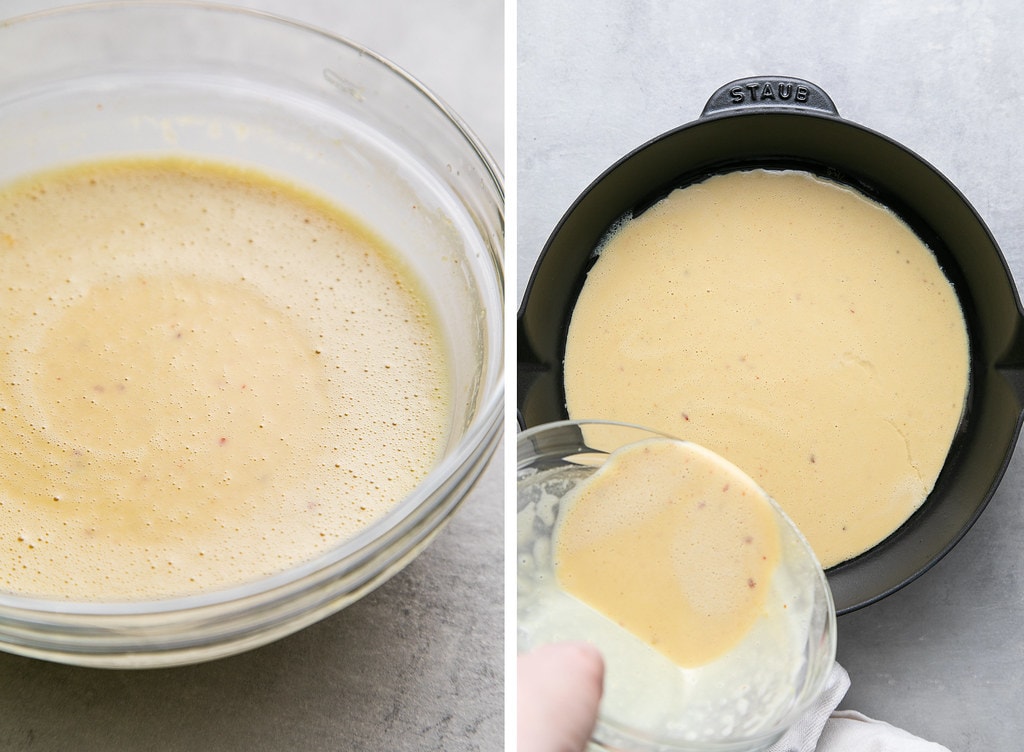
<point x="165" y="78"/>
<point x="741" y="701"/>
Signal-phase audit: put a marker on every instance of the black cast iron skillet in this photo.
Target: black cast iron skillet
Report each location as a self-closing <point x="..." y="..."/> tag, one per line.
<point x="786" y="123"/>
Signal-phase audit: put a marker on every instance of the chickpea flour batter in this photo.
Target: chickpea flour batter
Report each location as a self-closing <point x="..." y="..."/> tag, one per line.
<point x="206" y="377"/>
<point x="672" y="548"/>
<point x="790" y="325"/>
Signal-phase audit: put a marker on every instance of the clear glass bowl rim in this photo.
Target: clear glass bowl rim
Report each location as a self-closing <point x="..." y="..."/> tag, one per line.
<point x="471" y="453"/>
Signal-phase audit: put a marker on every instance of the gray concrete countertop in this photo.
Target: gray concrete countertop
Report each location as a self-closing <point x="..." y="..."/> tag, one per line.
<point x="416" y="665"/>
<point x="944" y="656"/>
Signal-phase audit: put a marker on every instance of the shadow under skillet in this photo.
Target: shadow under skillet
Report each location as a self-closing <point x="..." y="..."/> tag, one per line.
<point x="415" y="665"/>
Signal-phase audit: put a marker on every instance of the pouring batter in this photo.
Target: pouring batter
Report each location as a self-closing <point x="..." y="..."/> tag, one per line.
<point x="672" y="544"/>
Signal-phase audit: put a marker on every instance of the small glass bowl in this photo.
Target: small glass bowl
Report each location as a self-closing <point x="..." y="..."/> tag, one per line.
<point x="237" y="86"/>
<point x="743" y="701"/>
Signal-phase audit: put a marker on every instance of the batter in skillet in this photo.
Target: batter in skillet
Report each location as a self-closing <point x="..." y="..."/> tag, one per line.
<point x="794" y="327"/>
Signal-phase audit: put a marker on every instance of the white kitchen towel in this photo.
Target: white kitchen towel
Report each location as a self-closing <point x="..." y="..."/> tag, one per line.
<point x="825" y="729"/>
<point x="804" y="734"/>
<point x="850" y="730"/>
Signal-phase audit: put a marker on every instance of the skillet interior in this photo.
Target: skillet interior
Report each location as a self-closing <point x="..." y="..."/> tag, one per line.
<point x="880" y="168"/>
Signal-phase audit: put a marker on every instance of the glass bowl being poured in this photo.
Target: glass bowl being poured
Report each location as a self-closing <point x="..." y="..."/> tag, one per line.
<point x="196" y="81"/>
<point x="712" y="613"/>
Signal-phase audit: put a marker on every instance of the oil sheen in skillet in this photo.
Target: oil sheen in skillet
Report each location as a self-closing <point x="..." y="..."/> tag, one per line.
<point x="206" y="376"/>
<point x="791" y="325"/>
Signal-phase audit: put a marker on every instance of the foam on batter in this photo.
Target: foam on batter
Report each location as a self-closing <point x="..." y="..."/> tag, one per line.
<point x="206" y="376"/>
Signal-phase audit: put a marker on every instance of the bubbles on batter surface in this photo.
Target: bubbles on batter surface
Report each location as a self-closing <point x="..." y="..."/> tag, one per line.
<point x="206" y="377"/>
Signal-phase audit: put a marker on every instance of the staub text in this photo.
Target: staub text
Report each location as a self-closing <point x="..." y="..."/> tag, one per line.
<point x="761" y="91"/>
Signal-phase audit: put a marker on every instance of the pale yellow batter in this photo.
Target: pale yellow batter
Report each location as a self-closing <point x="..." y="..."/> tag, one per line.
<point x="673" y="544"/>
<point x="792" y="326"/>
<point x="206" y="376"/>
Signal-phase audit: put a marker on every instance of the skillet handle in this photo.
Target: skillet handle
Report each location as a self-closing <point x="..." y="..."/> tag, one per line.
<point x="765" y="93"/>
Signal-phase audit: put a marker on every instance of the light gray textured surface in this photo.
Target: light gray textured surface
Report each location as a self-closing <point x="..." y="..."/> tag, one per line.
<point x="418" y="664"/>
<point x="943" y="657"/>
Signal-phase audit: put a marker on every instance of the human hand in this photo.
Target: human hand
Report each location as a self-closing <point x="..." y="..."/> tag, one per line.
<point x="559" y="690"/>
